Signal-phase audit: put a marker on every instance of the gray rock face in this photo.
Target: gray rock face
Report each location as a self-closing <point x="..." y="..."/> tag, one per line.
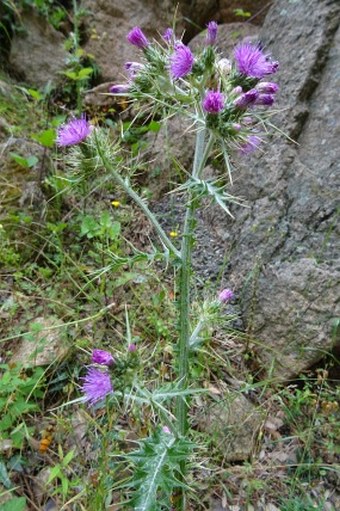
<point x="38" y="54"/>
<point x="109" y="23"/>
<point x="44" y="346"/>
<point x="285" y="248"/>
<point x="233" y="424"/>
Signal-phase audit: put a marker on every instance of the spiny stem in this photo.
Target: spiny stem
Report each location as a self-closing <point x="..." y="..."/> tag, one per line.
<point x="200" y="158"/>
<point x="139" y="201"/>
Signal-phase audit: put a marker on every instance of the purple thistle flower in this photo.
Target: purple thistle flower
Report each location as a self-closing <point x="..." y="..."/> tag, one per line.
<point x="120" y="88"/>
<point x="251" y="144"/>
<point x="252" y="62"/>
<point x="265" y="99"/>
<point x="226" y="295"/>
<point x="166" y="430"/>
<point x="137" y="38"/>
<point x="267" y="87"/>
<point x="102" y="357"/>
<point x="74" y="132"/>
<point x="168" y="35"/>
<point x="212" y="33"/>
<point x="213" y="102"/>
<point x="97" y="385"/>
<point x="132" y="348"/>
<point x="246" y="99"/>
<point x="181" y="61"/>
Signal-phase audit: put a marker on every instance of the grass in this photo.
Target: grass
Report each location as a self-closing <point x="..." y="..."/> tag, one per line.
<point x="76" y="265"/>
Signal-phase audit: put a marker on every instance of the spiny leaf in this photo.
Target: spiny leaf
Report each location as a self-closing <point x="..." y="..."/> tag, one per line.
<point x="212" y="189"/>
<point x="156" y="470"/>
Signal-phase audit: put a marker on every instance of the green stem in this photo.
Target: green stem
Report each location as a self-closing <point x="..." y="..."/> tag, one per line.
<point x="200" y="158"/>
<point x="139" y="201"/>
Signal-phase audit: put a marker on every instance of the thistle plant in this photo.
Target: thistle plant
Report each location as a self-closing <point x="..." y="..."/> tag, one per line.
<point x="225" y="101"/>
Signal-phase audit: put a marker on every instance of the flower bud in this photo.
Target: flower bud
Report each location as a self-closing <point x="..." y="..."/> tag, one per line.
<point x="211" y="33"/>
<point x="246" y="99"/>
<point x="121" y="88"/>
<point x="265" y="100"/>
<point x="102" y="357"/>
<point x="267" y="87"/>
<point x="137" y="38"/>
<point x="168" y="35"/>
<point x="226" y="295"/>
<point x="224" y="66"/>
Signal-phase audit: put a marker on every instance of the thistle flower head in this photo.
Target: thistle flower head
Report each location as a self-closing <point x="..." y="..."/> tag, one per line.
<point x="211" y="33"/>
<point x="213" y="102"/>
<point x="137" y="38"/>
<point x="73" y="132"/>
<point x="132" y="348"/>
<point x="168" y="35"/>
<point x="102" y="357"/>
<point x="97" y="385"/>
<point x="251" y="144"/>
<point x="252" y="62"/>
<point x="181" y="61"/>
<point x="226" y="295"/>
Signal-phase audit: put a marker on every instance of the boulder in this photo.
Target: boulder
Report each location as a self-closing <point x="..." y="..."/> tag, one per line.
<point x="285" y="247"/>
<point x="108" y="24"/>
<point x="37" y="54"/>
<point x="44" y="345"/>
<point x="232" y="423"/>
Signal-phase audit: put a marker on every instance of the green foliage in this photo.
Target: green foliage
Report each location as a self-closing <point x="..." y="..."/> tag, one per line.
<point x="241" y="13"/>
<point x="104" y="228"/>
<point x="18" y="393"/>
<point x="14" y="504"/>
<point x="78" y="75"/>
<point x="301" y="504"/>
<point x="26" y="163"/>
<point x="52" y="10"/>
<point x="60" y="473"/>
<point x="46" y="137"/>
<point x="156" y="474"/>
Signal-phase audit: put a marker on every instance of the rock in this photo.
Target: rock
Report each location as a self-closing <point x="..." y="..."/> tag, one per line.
<point x="37" y="55"/>
<point x="233" y="424"/>
<point x="284" y="251"/>
<point x="44" y="345"/>
<point x="170" y="150"/>
<point x="108" y="25"/>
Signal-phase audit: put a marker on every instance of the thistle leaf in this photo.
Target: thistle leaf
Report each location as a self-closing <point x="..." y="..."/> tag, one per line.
<point x="213" y="189"/>
<point x="156" y="472"/>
